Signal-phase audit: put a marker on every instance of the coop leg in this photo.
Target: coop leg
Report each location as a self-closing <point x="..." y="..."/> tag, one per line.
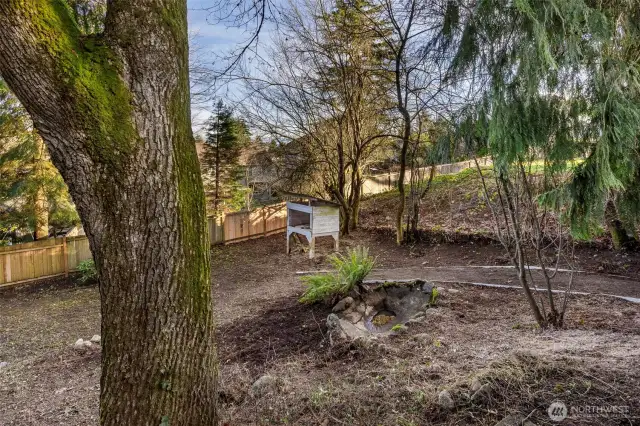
<point x="312" y="247"/>
<point x="336" y="242"/>
<point x="288" y="241"/>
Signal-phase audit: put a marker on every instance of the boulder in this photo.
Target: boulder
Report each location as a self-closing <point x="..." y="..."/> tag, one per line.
<point x="405" y="303"/>
<point x="445" y="400"/>
<point x="426" y="287"/>
<point x="353" y="331"/>
<point x="264" y="385"/>
<point x="82" y="345"/>
<point x="334" y="329"/>
<point x="352" y="316"/>
<point x="375" y="298"/>
<point x="333" y="322"/>
<point x="369" y="311"/>
<point x="343" y="304"/>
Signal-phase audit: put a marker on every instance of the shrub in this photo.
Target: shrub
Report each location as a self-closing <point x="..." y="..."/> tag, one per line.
<point x="350" y="270"/>
<point x="88" y="271"/>
<point x="434" y="296"/>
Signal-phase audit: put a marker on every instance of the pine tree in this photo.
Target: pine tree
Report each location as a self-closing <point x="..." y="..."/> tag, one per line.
<point x="226" y="137"/>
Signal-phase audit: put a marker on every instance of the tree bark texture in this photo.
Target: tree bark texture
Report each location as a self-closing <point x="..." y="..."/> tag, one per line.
<point x="406" y="134"/>
<point x="41" y="215"/>
<point x="40" y="202"/>
<point x="114" y="112"/>
<point x="619" y="236"/>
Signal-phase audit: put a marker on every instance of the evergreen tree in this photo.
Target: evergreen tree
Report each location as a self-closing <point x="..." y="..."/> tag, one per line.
<point x="562" y="82"/>
<point x="33" y="195"/>
<point x="226" y="137"/>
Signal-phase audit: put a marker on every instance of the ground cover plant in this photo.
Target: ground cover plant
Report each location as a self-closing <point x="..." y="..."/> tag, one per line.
<point x="349" y="270"/>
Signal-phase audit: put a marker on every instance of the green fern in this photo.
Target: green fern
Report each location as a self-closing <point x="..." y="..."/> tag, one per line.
<point x="350" y="270"/>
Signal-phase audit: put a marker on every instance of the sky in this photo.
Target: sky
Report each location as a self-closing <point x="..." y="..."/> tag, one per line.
<point x="210" y="38"/>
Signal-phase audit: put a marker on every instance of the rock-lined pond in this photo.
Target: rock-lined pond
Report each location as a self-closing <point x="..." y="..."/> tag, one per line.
<point x="380" y="307"/>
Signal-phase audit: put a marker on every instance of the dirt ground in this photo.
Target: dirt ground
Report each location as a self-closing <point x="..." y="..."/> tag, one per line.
<point x="262" y="330"/>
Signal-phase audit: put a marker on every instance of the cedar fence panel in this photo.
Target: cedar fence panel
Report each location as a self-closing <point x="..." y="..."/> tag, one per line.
<point x="241" y="226"/>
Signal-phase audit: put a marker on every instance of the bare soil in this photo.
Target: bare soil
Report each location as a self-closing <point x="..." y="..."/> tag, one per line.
<point x="474" y="332"/>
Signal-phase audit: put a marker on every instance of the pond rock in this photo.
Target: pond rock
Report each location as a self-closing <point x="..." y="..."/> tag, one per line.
<point x="343" y="304"/>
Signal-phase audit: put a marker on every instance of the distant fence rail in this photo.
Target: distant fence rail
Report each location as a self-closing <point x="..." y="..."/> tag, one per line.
<point x="384" y="182"/>
<point x="36" y="260"/>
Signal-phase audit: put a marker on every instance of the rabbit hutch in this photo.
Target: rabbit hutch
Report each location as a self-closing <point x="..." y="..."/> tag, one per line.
<point x="313" y="218"/>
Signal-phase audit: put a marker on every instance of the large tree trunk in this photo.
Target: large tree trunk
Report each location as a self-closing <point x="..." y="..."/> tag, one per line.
<point x="40" y="202"/>
<point x="114" y="112"/>
<point x="619" y="236"/>
<point x="406" y="134"/>
<point x="41" y="215"/>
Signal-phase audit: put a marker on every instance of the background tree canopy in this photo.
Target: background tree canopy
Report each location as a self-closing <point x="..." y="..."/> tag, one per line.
<point x="560" y="82"/>
<point x="33" y="195"/>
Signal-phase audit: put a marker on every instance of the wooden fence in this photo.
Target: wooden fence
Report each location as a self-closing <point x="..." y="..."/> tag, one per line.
<point x="56" y="257"/>
<point x="42" y="259"/>
<point x="241" y="226"/>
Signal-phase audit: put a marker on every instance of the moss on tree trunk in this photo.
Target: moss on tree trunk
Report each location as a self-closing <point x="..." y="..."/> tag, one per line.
<point x="114" y="112"/>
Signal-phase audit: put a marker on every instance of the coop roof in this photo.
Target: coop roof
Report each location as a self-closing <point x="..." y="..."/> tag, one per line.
<point x="312" y="200"/>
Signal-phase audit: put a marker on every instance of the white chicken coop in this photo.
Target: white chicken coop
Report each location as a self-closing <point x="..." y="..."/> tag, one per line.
<point x="313" y="218"/>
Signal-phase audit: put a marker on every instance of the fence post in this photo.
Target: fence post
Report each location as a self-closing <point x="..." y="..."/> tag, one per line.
<point x="7" y="268"/>
<point x="65" y="256"/>
<point x="264" y="221"/>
